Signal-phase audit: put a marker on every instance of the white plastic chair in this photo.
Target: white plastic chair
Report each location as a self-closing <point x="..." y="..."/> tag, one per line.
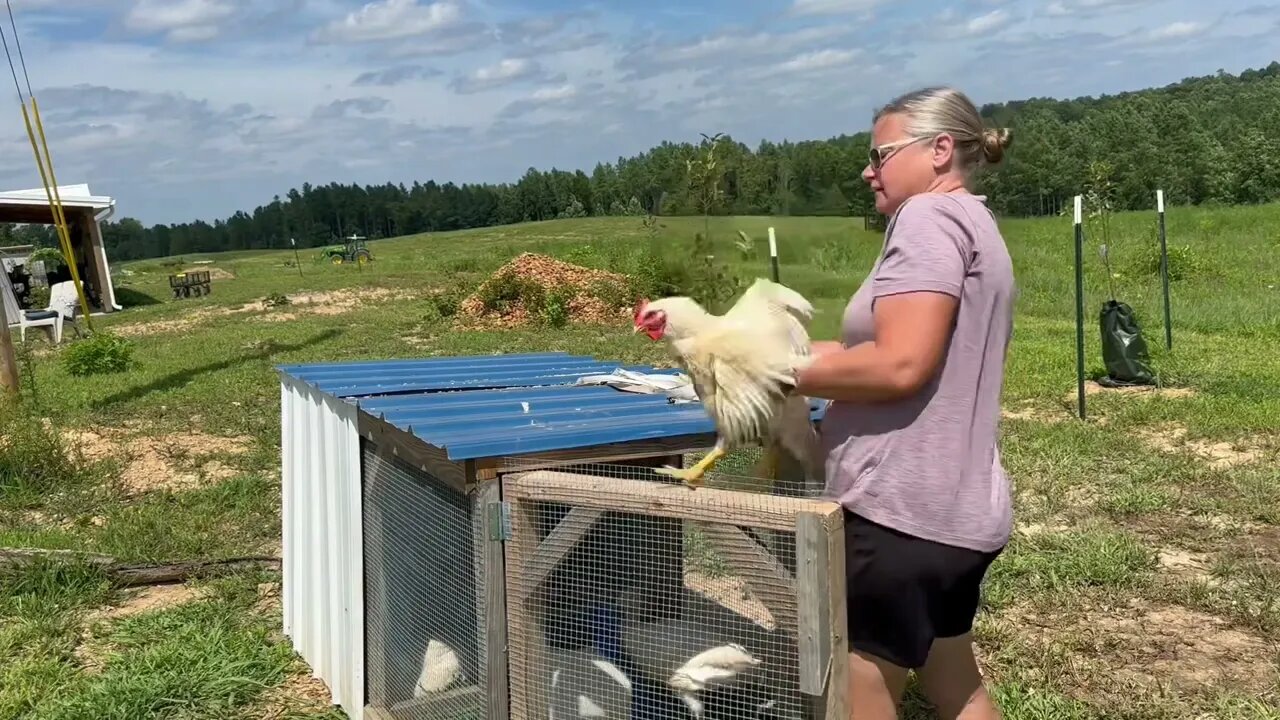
<point x="61" y="310"/>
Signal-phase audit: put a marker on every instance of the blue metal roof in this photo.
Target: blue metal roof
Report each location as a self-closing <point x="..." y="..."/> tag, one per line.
<point x="506" y="405"/>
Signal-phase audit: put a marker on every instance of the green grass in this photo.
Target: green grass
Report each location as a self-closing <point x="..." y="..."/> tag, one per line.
<point x="1066" y="630"/>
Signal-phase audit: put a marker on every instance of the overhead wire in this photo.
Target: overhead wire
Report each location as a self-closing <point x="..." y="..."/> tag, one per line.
<point x="49" y="179"/>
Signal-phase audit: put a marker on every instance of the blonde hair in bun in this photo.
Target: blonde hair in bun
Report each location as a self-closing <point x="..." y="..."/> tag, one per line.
<point x="940" y="109"/>
<point x="994" y="142"/>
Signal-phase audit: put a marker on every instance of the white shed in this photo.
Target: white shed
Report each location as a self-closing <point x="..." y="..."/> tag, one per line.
<point x="84" y="213"/>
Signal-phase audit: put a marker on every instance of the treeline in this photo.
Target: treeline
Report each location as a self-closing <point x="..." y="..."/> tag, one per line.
<point x="1212" y="139"/>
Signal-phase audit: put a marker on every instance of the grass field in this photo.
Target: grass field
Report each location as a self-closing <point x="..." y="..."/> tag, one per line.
<point x="1143" y="581"/>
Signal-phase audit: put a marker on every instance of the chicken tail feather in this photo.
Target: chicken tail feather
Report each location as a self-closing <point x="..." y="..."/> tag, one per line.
<point x="792" y="445"/>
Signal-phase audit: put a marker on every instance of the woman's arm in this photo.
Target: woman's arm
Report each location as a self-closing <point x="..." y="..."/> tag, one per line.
<point x="915" y="289"/>
<point x="911" y="329"/>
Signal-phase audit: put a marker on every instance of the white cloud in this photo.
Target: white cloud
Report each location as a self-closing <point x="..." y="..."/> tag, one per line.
<point x="818" y="60"/>
<point x="395" y="75"/>
<point x="393" y="20"/>
<point x="367" y="105"/>
<point x="988" y="22"/>
<point x="1089" y="8"/>
<point x="1178" y="30"/>
<point x="500" y="74"/>
<point x="834" y="7"/>
<point x="551" y="94"/>
<point x="180" y="20"/>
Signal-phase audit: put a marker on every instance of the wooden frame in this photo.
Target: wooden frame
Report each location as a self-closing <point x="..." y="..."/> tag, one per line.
<point x="810" y="599"/>
<point x="809" y="596"/>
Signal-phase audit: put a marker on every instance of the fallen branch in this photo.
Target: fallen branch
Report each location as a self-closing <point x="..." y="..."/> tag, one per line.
<point x="130" y="574"/>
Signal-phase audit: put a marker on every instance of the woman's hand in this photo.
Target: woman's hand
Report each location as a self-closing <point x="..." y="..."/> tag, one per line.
<point x="824" y="347"/>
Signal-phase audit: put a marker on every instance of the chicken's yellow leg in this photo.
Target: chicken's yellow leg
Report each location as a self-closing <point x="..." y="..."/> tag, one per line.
<point x="693" y="476"/>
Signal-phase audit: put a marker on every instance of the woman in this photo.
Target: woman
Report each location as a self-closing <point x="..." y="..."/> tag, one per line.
<point x="910" y="435"/>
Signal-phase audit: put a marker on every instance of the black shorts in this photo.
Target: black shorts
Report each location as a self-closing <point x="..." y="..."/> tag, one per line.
<point x="905" y="591"/>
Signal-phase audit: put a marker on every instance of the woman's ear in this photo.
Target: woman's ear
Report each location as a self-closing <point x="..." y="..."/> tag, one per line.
<point x="943" y="150"/>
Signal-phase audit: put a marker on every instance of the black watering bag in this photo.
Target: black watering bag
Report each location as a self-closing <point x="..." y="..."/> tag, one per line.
<point x="1124" y="351"/>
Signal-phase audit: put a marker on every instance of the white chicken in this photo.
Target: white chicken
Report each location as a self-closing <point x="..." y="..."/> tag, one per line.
<point x="742" y="365"/>
<point x="441" y="668"/>
<point x="715" y="666"/>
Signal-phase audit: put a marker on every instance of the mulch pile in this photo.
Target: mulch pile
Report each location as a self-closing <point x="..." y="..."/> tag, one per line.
<point x="595" y="296"/>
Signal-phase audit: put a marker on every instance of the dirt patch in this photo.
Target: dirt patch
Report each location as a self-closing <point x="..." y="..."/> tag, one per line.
<point x="1091" y="387"/>
<point x="1218" y="523"/>
<point x="1172" y="438"/>
<point x="1266" y="542"/>
<point x="176" y="461"/>
<point x="1034" y="529"/>
<point x="329" y="302"/>
<point x="1028" y="412"/>
<point x="268" y="599"/>
<point x="516" y="293"/>
<point x="159" y="327"/>
<point x="337" y="302"/>
<point x="42" y="519"/>
<point x="215" y="273"/>
<point x="93" y="650"/>
<point x="299" y="694"/>
<point x="1186" y="565"/>
<point x="1031" y="414"/>
<point x="1064" y="503"/>
<point x="150" y="598"/>
<point x="1149" y="646"/>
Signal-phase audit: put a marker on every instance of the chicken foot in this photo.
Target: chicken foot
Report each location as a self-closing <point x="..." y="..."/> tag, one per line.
<point x="693" y="476"/>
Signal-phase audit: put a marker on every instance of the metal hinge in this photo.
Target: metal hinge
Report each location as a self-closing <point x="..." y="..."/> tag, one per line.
<point x="499" y="521"/>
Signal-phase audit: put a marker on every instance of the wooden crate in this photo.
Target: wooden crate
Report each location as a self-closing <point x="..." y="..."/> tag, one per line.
<point x="590" y="594"/>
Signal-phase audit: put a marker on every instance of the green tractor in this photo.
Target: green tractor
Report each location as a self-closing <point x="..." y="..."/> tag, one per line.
<point x="353" y="250"/>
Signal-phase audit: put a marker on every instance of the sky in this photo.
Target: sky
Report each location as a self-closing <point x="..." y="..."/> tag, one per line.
<point x="193" y="109"/>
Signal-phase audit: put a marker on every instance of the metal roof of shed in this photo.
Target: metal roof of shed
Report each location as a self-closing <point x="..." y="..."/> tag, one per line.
<point x="506" y="405"/>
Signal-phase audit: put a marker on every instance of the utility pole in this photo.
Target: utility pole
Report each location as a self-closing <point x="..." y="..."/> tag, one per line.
<point x="8" y="359"/>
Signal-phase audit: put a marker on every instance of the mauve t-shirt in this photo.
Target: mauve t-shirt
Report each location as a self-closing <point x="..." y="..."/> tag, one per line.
<point x="929" y="465"/>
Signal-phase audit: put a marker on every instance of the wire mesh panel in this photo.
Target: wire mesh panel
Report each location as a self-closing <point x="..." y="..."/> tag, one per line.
<point x="424" y="550"/>
<point x="632" y="597"/>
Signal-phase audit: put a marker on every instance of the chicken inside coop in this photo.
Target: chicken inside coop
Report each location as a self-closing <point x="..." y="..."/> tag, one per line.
<point x="709" y="664"/>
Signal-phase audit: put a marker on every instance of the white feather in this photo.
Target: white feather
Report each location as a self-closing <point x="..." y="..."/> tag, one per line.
<point x="588" y="709"/>
<point x="713" y="667"/>
<point x="693" y="702"/>
<point x="440" y="669"/>
<point x="613" y="672"/>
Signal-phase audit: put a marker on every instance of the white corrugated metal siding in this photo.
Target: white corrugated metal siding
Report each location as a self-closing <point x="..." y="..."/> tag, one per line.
<point x="322" y="589"/>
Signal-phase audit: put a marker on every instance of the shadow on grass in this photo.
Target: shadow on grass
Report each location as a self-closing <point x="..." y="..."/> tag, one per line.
<point x="182" y="377"/>
<point x="129" y="297"/>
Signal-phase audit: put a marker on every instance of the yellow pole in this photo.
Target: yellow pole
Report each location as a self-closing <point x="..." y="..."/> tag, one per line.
<point x="55" y="205"/>
<point x="54" y="196"/>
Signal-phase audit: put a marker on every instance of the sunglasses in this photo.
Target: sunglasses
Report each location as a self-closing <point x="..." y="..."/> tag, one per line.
<point x="881" y="153"/>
